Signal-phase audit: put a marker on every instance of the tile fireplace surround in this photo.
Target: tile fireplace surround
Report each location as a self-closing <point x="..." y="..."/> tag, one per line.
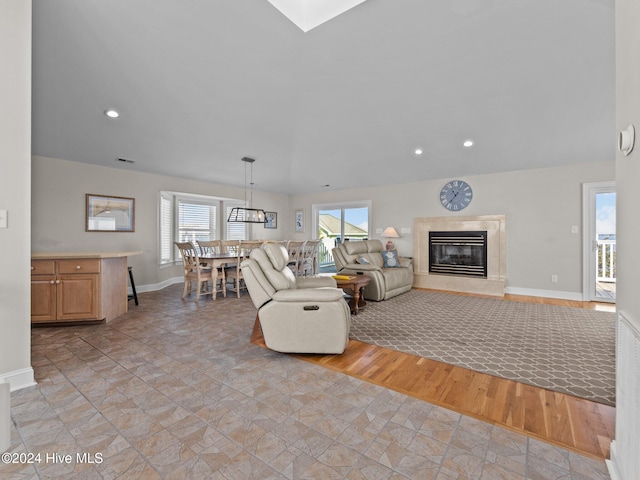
<point x="495" y="282"/>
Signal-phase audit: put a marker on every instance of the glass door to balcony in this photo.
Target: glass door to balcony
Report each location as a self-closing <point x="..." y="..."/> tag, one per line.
<point x="600" y="241"/>
<point x="338" y="223"/>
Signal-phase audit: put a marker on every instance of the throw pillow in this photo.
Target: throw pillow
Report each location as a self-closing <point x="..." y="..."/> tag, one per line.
<point x="362" y="261"/>
<point x="390" y="259"/>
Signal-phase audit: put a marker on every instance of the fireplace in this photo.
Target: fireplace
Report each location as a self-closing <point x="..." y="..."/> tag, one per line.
<point x="458" y="253"/>
<point x="491" y="280"/>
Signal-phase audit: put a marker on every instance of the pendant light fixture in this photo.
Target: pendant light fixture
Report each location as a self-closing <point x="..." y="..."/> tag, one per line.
<point x="247" y="214"/>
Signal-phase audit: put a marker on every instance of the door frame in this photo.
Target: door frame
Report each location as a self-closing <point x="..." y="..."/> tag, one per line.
<point x="589" y="192"/>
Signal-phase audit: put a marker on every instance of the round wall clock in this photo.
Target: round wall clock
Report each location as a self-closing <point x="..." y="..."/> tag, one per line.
<point x="456" y="195"/>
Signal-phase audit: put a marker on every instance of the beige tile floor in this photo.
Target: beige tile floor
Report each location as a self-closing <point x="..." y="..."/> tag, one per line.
<point x="174" y="390"/>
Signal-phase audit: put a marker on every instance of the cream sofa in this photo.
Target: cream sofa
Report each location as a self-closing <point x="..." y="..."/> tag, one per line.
<point x="297" y="314"/>
<point x="385" y="283"/>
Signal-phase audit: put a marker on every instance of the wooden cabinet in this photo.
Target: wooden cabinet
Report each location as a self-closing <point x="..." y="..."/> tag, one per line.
<point x="78" y="289"/>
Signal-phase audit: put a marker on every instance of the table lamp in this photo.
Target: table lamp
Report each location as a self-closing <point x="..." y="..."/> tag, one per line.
<point x="390" y="232"/>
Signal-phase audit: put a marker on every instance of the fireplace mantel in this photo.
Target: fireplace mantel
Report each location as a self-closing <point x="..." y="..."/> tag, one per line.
<point x="495" y="225"/>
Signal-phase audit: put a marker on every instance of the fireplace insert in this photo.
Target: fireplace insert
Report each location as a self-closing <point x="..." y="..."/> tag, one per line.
<point x="458" y="253"/>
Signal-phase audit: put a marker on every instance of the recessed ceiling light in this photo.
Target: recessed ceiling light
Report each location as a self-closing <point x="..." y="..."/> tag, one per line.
<point x="467" y="143"/>
<point x="418" y="151"/>
<point x="111" y="113"/>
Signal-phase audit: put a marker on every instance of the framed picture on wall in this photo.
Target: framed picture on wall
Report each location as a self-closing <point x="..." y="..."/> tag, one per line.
<point x="270" y="220"/>
<point x="109" y="214"/>
<point x="299" y="220"/>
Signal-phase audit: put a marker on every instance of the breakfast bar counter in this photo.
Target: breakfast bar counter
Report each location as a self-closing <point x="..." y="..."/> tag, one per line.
<point x="78" y="286"/>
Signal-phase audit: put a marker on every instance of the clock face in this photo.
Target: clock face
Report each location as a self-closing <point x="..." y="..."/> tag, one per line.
<point x="456" y="195"/>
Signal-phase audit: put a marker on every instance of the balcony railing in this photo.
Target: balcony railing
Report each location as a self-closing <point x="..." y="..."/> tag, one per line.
<point x="324" y="255"/>
<point x="606" y="263"/>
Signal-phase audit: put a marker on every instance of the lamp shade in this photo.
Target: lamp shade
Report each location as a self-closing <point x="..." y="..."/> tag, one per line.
<point x="390" y="232"/>
<point x="246" y="215"/>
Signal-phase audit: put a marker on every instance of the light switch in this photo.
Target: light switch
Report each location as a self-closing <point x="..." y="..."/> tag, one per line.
<point x="574" y="229"/>
<point x="3" y="218"/>
<point x="405" y="230"/>
<point x="378" y="231"/>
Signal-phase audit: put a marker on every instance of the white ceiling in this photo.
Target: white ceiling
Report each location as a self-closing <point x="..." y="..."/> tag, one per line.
<point x="201" y="84"/>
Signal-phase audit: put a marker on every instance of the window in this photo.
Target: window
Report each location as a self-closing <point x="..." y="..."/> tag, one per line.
<point x="189" y="218"/>
<point x="235" y="231"/>
<point x="197" y="221"/>
<point x="166" y="229"/>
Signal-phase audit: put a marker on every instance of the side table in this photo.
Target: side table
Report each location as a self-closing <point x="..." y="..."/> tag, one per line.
<point x="355" y="284"/>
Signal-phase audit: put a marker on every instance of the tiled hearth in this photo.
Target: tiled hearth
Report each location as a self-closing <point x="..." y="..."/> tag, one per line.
<point x="495" y="225"/>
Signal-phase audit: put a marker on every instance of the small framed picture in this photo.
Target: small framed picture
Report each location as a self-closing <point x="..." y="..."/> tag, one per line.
<point x="299" y="220"/>
<point x="109" y="214"/>
<point x="270" y="220"/>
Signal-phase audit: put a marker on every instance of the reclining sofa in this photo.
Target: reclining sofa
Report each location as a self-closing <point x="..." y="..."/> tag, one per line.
<point x="365" y="256"/>
<point x="297" y="314"/>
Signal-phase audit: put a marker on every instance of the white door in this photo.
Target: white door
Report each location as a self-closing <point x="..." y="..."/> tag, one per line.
<point x="599" y="241"/>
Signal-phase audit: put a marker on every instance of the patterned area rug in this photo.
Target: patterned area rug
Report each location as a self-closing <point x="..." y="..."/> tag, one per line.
<point x="569" y="350"/>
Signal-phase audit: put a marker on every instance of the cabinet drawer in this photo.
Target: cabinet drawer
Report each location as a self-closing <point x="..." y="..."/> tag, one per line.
<point x="85" y="265"/>
<point x="43" y="267"/>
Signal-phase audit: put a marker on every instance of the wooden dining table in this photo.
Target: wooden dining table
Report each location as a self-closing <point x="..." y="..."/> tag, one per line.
<point x="218" y="260"/>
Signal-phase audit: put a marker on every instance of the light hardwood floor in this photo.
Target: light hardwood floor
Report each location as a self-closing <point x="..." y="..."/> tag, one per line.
<point x="573" y="423"/>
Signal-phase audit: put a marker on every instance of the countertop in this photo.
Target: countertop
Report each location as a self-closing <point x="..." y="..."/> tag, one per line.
<point x="54" y="255"/>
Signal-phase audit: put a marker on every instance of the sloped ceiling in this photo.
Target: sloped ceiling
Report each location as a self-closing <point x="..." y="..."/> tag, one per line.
<point x="201" y="84"/>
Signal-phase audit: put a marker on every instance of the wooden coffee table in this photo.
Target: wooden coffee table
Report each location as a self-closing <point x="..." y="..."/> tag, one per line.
<point x="355" y="284"/>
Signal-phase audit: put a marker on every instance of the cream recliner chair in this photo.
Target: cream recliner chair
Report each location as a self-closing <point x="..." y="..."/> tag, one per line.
<point x="297" y="314"/>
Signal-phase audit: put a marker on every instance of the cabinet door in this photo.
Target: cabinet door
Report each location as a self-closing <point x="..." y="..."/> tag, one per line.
<point x="43" y="298"/>
<point x="78" y="297"/>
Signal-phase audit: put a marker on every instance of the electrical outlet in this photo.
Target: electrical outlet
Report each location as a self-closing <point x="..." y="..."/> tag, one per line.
<point x="575" y="229"/>
<point x="554" y="278"/>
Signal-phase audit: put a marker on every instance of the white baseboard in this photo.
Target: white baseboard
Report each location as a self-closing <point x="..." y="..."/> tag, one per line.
<point x="533" y="292"/>
<point x="5" y="416"/>
<point x="612" y="465"/>
<point x="157" y="286"/>
<point x="20" y="379"/>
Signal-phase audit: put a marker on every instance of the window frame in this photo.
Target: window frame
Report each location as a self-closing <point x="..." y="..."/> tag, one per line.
<point x="171" y="220"/>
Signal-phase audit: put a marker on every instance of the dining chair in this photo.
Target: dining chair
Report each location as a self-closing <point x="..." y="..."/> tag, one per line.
<point x="213" y="247"/>
<point x="309" y="261"/>
<point x="295" y="256"/>
<point x="229" y="246"/>
<point x="195" y="272"/>
<point x="209" y="246"/>
<point x="233" y="274"/>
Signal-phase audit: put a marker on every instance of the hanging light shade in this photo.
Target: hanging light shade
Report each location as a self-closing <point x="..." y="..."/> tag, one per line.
<point x="247" y="214"/>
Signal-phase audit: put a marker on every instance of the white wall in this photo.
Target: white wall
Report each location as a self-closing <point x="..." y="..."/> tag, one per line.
<point x="625" y="463"/>
<point x="541" y="206"/>
<point x="15" y="191"/>
<point x="58" y="212"/>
